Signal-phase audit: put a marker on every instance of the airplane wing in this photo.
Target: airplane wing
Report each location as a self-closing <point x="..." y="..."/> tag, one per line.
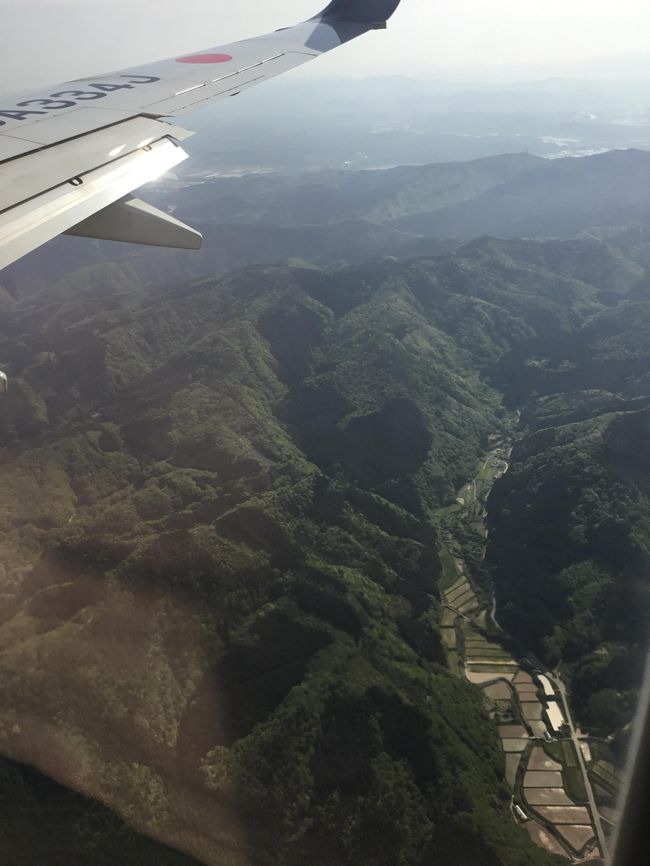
<point x="71" y="155"/>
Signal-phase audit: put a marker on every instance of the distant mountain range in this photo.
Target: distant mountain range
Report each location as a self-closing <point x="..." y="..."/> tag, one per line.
<point x="510" y="195"/>
<point x="626" y="67"/>
<point x="329" y="217"/>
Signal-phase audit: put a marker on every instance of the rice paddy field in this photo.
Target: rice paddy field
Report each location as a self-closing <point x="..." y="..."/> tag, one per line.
<point x="544" y="777"/>
<point x="462" y="597"/>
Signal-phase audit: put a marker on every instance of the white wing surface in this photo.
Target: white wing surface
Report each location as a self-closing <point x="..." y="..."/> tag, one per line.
<point x="71" y="155"/>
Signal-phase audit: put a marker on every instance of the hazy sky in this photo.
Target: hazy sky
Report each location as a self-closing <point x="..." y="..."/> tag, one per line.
<point x="47" y="41"/>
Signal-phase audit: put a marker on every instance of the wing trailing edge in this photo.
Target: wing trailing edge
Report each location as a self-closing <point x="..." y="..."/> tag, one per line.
<point x="127" y="162"/>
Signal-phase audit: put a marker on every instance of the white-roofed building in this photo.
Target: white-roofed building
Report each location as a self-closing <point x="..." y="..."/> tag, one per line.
<point x="555" y="717"/>
<point x="547" y="685"/>
<point x="519" y="812"/>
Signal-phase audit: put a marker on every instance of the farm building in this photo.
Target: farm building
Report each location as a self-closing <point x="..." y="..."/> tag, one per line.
<point x="546" y="684"/>
<point x="555" y="717"/>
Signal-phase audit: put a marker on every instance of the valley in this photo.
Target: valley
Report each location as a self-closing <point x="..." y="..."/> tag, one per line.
<point x="545" y="758"/>
<point x="252" y="601"/>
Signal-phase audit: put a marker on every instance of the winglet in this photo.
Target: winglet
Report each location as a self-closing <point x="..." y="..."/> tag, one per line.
<point x="359" y="11"/>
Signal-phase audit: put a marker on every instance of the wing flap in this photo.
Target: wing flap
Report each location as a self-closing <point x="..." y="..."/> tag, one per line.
<point x="32" y="223"/>
<point x="35" y="173"/>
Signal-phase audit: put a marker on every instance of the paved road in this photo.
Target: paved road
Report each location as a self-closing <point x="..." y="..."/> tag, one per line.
<point x="600" y="833"/>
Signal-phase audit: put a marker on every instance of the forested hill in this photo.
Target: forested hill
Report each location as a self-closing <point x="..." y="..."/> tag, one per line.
<point x="570" y="524"/>
<point x="332" y="218"/>
<point x="513" y="195"/>
<point x="219" y="578"/>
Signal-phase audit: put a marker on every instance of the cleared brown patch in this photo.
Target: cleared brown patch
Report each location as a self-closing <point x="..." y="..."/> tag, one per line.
<point x="498" y="692"/>
<point x="564" y="814"/>
<point x="538" y="728"/>
<point x="543" y="838"/>
<point x="461" y="597"/>
<point x="514" y="745"/>
<point x="525" y="689"/>
<point x="512" y="732"/>
<point x="479" y="678"/>
<point x="548" y="797"/>
<point x="539" y="760"/>
<point x="468" y="607"/>
<point x="458" y="592"/>
<point x="532" y="711"/>
<point x="577" y="836"/>
<point x="512" y="765"/>
<point x="542" y="780"/>
<point x="497" y="666"/>
<point x="523" y="677"/>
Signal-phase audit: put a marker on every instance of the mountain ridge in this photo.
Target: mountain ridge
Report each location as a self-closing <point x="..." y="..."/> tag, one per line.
<point x="218" y="516"/>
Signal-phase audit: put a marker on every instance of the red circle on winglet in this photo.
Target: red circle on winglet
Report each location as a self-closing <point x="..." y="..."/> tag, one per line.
<point x="205" y="58"/>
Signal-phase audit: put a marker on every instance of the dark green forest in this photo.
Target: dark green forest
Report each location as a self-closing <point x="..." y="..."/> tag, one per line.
<point x="219" y="578"/>
<point x="570" y="524"/>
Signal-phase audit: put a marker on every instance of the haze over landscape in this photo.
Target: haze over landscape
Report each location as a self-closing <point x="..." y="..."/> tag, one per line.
<point x="330" y="543"/>
<point x="427" y="36"/>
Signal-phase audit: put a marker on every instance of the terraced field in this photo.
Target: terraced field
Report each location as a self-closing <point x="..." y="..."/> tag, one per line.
<point x="545" y="778"/>
<point x="460" y="601"/>
<point x="482" y="656"/>
<point x="552" y="791"/>
<point x="462" y="598"/>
